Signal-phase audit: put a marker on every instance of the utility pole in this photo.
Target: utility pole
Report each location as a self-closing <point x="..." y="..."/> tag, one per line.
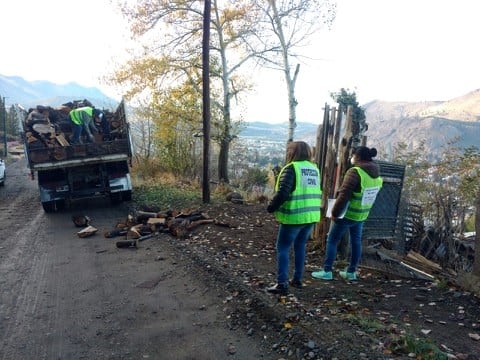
<point x="4" y="127"/>
<point x="206" y="100"/>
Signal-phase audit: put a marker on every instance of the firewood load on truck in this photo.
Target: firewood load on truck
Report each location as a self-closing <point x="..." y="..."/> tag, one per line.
<point x="67" y="169"/>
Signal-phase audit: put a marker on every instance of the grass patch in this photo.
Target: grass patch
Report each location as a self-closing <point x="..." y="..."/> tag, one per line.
<point x="366" y="324"/>
<point x="422" y="348"/>
<point x="166" y="196"/>
<point x="406" y="343"/>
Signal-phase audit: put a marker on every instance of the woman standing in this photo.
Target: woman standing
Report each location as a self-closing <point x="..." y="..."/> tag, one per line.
<point x="355" y="198"/>
<point x="296" y="206"/>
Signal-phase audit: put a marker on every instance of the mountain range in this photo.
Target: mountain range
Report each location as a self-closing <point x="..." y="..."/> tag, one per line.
<point x="435" y="123"/>
<point x="17" y="90"/>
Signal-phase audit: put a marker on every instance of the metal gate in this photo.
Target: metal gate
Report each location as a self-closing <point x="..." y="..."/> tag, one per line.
<point x="382" y="223"/>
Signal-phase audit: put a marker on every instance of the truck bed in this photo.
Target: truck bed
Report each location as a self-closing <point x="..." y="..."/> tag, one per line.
<point x="47" y="145"/>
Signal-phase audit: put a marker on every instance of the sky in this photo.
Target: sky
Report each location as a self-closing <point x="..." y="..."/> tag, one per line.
<point x="392" y="50"/>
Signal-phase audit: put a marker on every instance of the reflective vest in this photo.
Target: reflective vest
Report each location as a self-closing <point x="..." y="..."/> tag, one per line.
<point x="303" y="204"/>
<point x="361" y="202"/>
<point x="75" y="114"/>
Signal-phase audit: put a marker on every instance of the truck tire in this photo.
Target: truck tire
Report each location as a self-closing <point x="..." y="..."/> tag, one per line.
<point x="52" y="206"/>
<point x="115" y="198"/>
<point x="48" y="206"/>
<point x="127" y="195"/>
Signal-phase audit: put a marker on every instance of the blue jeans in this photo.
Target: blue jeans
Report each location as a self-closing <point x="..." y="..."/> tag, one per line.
<point x="288" y="235"/>
<point x="78" y="130"/>
<point x="337" y="229"/>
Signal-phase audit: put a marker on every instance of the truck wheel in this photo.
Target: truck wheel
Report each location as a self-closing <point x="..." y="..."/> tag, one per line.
<point x="116" y="198"/>
<point x="52" y="206"/>
<point x="48" y="206"/>
<point x="127" y="195"/>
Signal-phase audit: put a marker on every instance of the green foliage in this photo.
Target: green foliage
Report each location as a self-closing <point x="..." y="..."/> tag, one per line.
<point x="166" y="196"/>
<point x="147" y="168"/>
<point x="422" y="348"/>
<point x="470" y="223"/>
<point x="445" y="191"/>
<point x="253" y="177"/>
<point x="344" y="98"/>
<point x="367" y="324"/>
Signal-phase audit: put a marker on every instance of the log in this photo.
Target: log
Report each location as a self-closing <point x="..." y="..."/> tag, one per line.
<point x="115" y="233"/>
<point x="81" y="220"/>
<point x="156" y="221"/>
<point x="422" y="260"/>
<point x="43" y="129"/>
<point x="138" y="231"/>
<point x="59" y="153"/>
<point x="134" y="232"/>
<point x="61" y="140"/>
<point x="88" y="231"/>
<point x="193" y="224"/>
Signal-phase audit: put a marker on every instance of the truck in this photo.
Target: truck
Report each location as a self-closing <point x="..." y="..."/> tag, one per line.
<point x="66" y="172"/>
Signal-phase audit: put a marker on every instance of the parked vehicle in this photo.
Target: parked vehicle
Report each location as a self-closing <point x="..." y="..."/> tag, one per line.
<point x="67" y="172"/>
<point x="2" y="172"/>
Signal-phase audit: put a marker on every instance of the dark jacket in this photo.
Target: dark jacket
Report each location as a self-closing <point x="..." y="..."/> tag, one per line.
<point x="285" y="188"/>
<point x="351" y="183"/>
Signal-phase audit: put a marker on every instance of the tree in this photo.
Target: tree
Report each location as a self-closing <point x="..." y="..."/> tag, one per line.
<point x="345" y="98"/>
<point x="476" y="263"/>
<point x="13" y="121"/>
<point x="171" y="33"/>
<point x="290" y="25"/>
<point x="445" y="191"/>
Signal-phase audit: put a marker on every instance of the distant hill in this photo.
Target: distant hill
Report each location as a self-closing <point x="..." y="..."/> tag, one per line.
<point x="16" y="90"/>
<point x="278" y="132"/>
<point x="437" y="123"/>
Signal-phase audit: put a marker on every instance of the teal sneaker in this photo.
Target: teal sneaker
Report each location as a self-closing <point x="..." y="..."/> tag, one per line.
<point x="323" y="275"/>
<point x="351" y="276"/>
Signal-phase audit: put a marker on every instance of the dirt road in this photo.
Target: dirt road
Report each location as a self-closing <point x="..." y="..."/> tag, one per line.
<point x="65" y="297"/>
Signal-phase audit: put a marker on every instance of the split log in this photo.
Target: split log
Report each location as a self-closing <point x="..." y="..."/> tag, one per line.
<point x="138" y="231"/>
<point x="44" y="129"/>
<point x="422" y="263"/>
<point x="61" y="140"/>
<point x="156" y="221"/>
<point x="88" y="231"/>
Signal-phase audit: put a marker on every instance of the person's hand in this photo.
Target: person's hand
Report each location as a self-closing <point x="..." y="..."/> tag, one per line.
<point x="270" y="208"/>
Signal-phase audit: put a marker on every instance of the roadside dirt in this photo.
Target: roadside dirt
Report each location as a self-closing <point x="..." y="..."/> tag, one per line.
<point x="65" y="297"/>
<point x="203" y="296"/>
<point x="388" y="314"/>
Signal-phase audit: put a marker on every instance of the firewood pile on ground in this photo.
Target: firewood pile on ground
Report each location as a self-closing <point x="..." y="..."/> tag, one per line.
<point x="144" y="225"/>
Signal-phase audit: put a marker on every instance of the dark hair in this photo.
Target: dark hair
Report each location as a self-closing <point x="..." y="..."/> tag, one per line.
<point x="97" y="113"/>
<point x="364" y="153"/>
<point x="298" y="151"/>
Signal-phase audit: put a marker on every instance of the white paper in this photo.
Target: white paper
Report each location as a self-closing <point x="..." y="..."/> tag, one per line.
<point x="331" y="202"/>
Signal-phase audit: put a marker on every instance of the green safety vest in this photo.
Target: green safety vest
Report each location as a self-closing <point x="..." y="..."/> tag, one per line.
<point x="303" y="204"/>
<point x="361" y="202"/>
<point x="75" y="114"/>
